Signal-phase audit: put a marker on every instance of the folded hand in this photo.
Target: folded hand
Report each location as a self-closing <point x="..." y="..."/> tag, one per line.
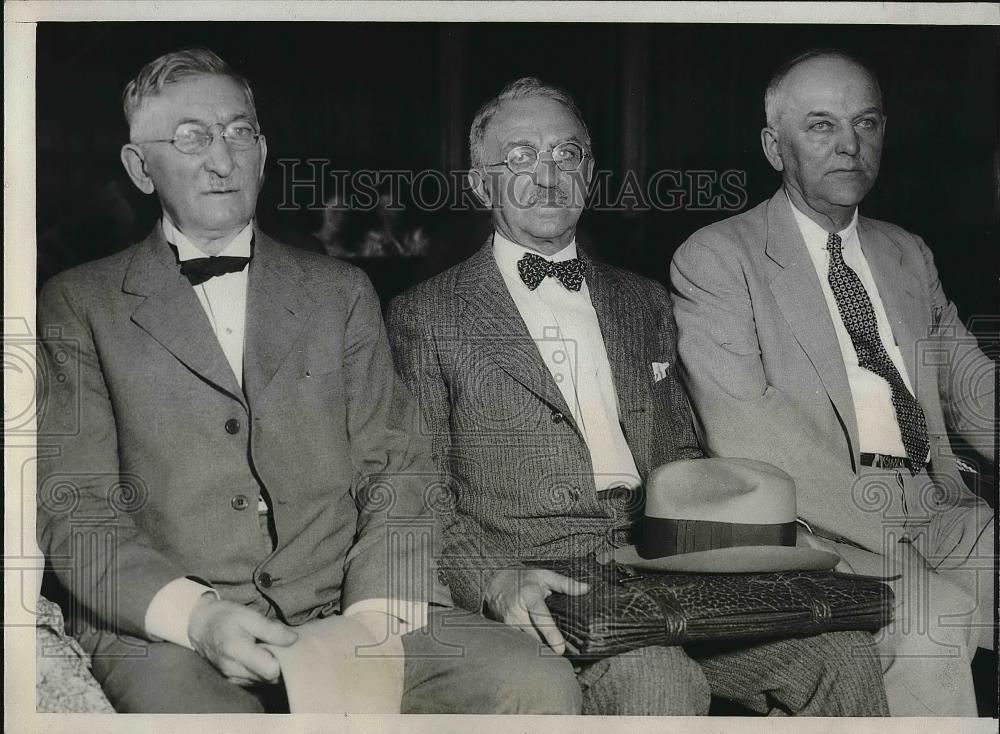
<point x="227" y="635"/>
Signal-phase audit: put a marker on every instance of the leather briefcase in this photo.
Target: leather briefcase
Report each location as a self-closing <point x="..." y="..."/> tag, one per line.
<point x="626" y="609"/>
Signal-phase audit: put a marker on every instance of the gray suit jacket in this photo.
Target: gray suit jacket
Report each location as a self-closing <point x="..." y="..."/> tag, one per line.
<point x="517" y="474"/>
<point x="765" y="373"/>
<point x="151" y="457"/>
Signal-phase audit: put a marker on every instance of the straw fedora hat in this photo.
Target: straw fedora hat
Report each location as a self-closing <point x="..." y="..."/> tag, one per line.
<point x="720" y="516"/>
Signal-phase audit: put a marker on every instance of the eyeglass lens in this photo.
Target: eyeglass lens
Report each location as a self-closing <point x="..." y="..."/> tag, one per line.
<point x="191" y="137"/>
<point x="567" y="156"/>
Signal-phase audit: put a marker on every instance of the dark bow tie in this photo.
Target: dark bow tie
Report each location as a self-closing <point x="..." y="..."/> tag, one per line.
<point x="534" y="269"/>
<point x="200" y="269"/>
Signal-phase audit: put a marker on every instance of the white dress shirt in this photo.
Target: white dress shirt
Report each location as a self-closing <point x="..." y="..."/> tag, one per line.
<point x="878" y="429"/>
<point x="564" y="327"/>
<point x="223" y="297"/>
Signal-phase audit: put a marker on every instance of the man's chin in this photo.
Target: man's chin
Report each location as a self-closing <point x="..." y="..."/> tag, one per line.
<point x="850" y="193"/>
<point x="225" y="220"/>
<point x="549" y="230"/>
<point x="551" y="217"/>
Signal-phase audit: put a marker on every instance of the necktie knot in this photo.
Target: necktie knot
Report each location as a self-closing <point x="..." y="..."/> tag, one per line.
<point x="533" y="269"/>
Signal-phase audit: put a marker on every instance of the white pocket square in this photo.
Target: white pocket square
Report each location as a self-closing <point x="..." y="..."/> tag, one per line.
<point x="660" y="370"/>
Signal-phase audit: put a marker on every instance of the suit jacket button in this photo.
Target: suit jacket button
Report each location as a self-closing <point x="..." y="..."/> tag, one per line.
<point x="239" y="502"/>
<point x="265" y="580"/>
<point x="575" y="492"/>
<point x="441" y="578"/>
<point x="557" y="417"/>
<point x="232" y="426"/>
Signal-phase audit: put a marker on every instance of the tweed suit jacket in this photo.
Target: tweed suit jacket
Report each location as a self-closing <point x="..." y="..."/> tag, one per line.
<point x="517" y="471"/>
<point x="767" y="379"/>
<point x="151" y="456"/>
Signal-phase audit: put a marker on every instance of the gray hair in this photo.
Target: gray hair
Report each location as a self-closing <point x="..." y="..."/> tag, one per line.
<point x="174" y="67"/>
<point x="528" y="86"/>
<point x="772" y="96"/>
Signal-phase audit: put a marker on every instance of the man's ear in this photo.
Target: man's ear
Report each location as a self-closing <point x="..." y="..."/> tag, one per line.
<point x="477" y="182"/>
<point x="135" y="166"/>
<point x="772" y="151"/>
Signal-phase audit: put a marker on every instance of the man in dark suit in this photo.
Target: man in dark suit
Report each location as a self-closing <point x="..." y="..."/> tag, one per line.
<point x="821" y="341"/>
<point x="227" y="478"/>
<point x="546" y="382"/>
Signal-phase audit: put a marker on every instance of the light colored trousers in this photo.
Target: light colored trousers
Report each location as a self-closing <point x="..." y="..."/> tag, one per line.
<point x="945" y="596"/>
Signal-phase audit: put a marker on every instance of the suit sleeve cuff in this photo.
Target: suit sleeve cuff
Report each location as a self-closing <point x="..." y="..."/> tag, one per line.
<point x="168" y="613"/>
<point x="411" y="615"/>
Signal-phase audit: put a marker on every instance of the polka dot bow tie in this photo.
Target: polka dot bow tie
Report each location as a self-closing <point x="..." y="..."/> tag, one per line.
<point x="534" y="269"/>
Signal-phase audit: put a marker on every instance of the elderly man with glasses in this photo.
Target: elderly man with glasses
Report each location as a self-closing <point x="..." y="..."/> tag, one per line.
<point x="546" y="380"/>
<point x="229" y="483"/>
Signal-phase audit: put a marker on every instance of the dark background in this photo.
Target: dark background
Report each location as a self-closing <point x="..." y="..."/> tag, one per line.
<point x="402" y="96"/>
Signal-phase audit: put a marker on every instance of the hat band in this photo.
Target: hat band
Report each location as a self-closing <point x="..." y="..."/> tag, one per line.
<point x="659" y="537"/>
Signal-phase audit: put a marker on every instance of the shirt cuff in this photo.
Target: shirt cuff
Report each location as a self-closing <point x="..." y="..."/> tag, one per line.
<point x="409" y="615"/>
<point x="168" y="614"/>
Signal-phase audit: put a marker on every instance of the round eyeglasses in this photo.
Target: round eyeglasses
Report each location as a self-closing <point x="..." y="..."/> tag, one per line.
<point x="567" y="156"/>
<point x="191" y="138"/>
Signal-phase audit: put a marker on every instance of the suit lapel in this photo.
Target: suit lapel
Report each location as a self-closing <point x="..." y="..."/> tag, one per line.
<point x="897" y="289"/>
<point x="797" y="290"/>
<point x="622" y="330"/>
<point x="172" y="315"/>
<point x="277" y="307"/>
<point x="501" y="335"/>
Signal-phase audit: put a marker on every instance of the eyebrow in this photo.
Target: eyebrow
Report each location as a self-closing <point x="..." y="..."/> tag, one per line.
<point x="826" y="113"/>
<point x="235" y="118"/>
<point x="516" y="143"/>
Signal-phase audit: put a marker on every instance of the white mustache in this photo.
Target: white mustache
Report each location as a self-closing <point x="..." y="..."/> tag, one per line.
<point x="552" y="196"/>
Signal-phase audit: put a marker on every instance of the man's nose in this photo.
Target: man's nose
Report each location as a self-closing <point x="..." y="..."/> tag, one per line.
<point x="547" y="174"/>
<point x="847" y="141"/>
<point x="218" y="157"/>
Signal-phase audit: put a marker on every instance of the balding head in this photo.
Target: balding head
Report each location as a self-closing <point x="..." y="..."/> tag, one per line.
<point x="830" y="61"/>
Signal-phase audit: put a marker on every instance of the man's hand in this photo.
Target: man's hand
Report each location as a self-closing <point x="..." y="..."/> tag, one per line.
<point x="516" y="596"/>
<point x="226" y="634"/>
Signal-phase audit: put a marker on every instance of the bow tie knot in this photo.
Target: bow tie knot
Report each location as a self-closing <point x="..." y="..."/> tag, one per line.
<point x="200" y="269"/>
<point x="533" y="269"/>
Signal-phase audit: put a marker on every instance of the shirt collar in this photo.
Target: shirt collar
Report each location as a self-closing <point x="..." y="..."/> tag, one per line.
<point x="508" y="253"/>
<point x="239" y="246"/>
<point x="815" y="236"/>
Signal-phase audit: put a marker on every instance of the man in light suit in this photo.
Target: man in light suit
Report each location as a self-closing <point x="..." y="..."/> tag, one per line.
<point x="546" y="382"/>
<point x="821" y="341"/>
<point x="226" y="472"/>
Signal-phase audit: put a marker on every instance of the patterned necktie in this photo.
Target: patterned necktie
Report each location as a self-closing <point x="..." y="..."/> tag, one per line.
<point x="534" y="269"/>
<point x="859" y="318"/>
